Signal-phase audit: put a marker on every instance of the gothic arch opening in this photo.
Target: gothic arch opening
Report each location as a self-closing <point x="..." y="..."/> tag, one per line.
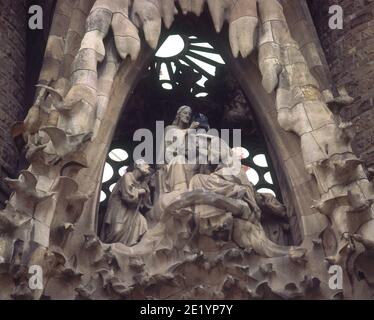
<point x="196" y="69"/>
<point x="207" y="239"/>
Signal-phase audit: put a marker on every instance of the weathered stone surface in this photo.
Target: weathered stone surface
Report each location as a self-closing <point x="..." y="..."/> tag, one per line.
<point x="208" y="230"/>
<point x="350" y="53"/>
<point x="12" y="84"/>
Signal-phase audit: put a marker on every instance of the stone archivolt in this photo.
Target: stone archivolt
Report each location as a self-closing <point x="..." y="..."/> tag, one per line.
<point x="51" y="215"/>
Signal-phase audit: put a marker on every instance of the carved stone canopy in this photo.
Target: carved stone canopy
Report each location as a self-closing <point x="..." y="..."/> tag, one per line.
<point x="96" y="54"/>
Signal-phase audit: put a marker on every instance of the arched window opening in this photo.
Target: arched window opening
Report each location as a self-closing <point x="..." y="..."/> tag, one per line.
<point x="188" y="70"/>
<point x="180" y="52"/>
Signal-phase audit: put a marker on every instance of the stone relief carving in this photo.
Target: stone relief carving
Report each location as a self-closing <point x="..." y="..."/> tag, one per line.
<point x="46" y="220"/>
<point x="214" y="201"/>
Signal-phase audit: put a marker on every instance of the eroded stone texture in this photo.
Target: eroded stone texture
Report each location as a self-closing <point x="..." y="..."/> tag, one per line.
<point x="51" y="216"/>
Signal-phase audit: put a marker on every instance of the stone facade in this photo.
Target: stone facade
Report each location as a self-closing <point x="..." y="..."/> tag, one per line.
<point x="350" y="55"/>
<point x="203" y="232"/>
<point x="12" y="82"/>
<point x="21" y="58"/>
<point x="36" y="43"/>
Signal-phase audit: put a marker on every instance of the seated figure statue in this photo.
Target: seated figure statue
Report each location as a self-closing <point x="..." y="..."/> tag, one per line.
<point x="123" y="221"/>
<point x="212" y="219"/>
<point x="243" y="226"/>
<point x="177" y="172"/>
<point x="173" y="176"/>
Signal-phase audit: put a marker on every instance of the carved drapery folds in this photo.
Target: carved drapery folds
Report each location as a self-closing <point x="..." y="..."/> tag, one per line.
<point x="44" y="222"/>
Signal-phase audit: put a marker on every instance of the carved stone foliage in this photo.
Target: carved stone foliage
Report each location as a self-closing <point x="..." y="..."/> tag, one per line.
<point x="95" y="50"/>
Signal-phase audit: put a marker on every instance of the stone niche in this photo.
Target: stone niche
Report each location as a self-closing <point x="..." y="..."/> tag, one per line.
<point x="176" y="231"/>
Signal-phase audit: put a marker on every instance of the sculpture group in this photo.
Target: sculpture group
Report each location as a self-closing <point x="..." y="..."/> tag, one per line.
<point x="202" y="234"/>
<point x="221" y="203"/>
